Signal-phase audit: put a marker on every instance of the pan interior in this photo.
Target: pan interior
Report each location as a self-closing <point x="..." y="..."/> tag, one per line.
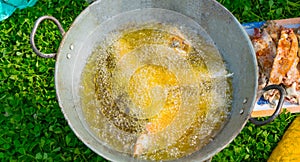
<point x="155" y="87"/>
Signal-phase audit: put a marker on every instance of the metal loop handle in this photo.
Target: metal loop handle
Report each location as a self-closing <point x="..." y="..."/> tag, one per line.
<point x="282" y="93"/>
<point x="33" y="32"/>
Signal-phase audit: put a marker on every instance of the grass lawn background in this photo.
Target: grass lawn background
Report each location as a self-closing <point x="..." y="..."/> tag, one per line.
<point x="32" y="125"/>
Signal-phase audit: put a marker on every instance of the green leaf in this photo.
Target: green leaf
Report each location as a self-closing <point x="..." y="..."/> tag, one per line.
<point x="278" y="11"/>
<point x="22" y="151"/>
<point x="271" y="3"/>
<point x="45" y="156"/>
<point x="42" y="143"/>
<point x="39" y="156"/>
<point x="247" y="156"/>
<point x="13" y="77"/>
<point x="57" y="149"/>
<point x="57" y="130"/>
<point x="77" y="151"/>
<point x="1" y="155"/>
<point x="6" y="146"/>
<point x="250" y="129"/>
<point x="68" y="140"/>
<point x="17" y="143"/>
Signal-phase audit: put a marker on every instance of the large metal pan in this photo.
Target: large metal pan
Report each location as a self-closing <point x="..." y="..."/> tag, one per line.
<point x="90" y="27"/>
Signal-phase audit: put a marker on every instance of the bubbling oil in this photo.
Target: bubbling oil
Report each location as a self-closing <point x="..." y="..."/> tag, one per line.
<point x="159" y="81"/>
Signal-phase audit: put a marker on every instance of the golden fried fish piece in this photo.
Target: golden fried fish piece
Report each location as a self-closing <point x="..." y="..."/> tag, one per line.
<point x="286" y="57"/>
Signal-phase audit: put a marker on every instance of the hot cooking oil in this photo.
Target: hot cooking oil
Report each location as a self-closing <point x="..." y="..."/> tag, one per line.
<point x="156" y="91"/>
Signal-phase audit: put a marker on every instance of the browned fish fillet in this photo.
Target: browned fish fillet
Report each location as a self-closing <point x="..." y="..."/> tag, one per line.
<point x="285" y="57"/>
<point x="265" y="50"/>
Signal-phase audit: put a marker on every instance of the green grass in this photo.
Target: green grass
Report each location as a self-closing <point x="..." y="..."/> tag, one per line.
<point x="32" y="125"/>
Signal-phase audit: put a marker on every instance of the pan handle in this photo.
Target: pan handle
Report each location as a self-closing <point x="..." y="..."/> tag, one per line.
<point x="33" y="32"/>
<point x="282" y="93"/>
